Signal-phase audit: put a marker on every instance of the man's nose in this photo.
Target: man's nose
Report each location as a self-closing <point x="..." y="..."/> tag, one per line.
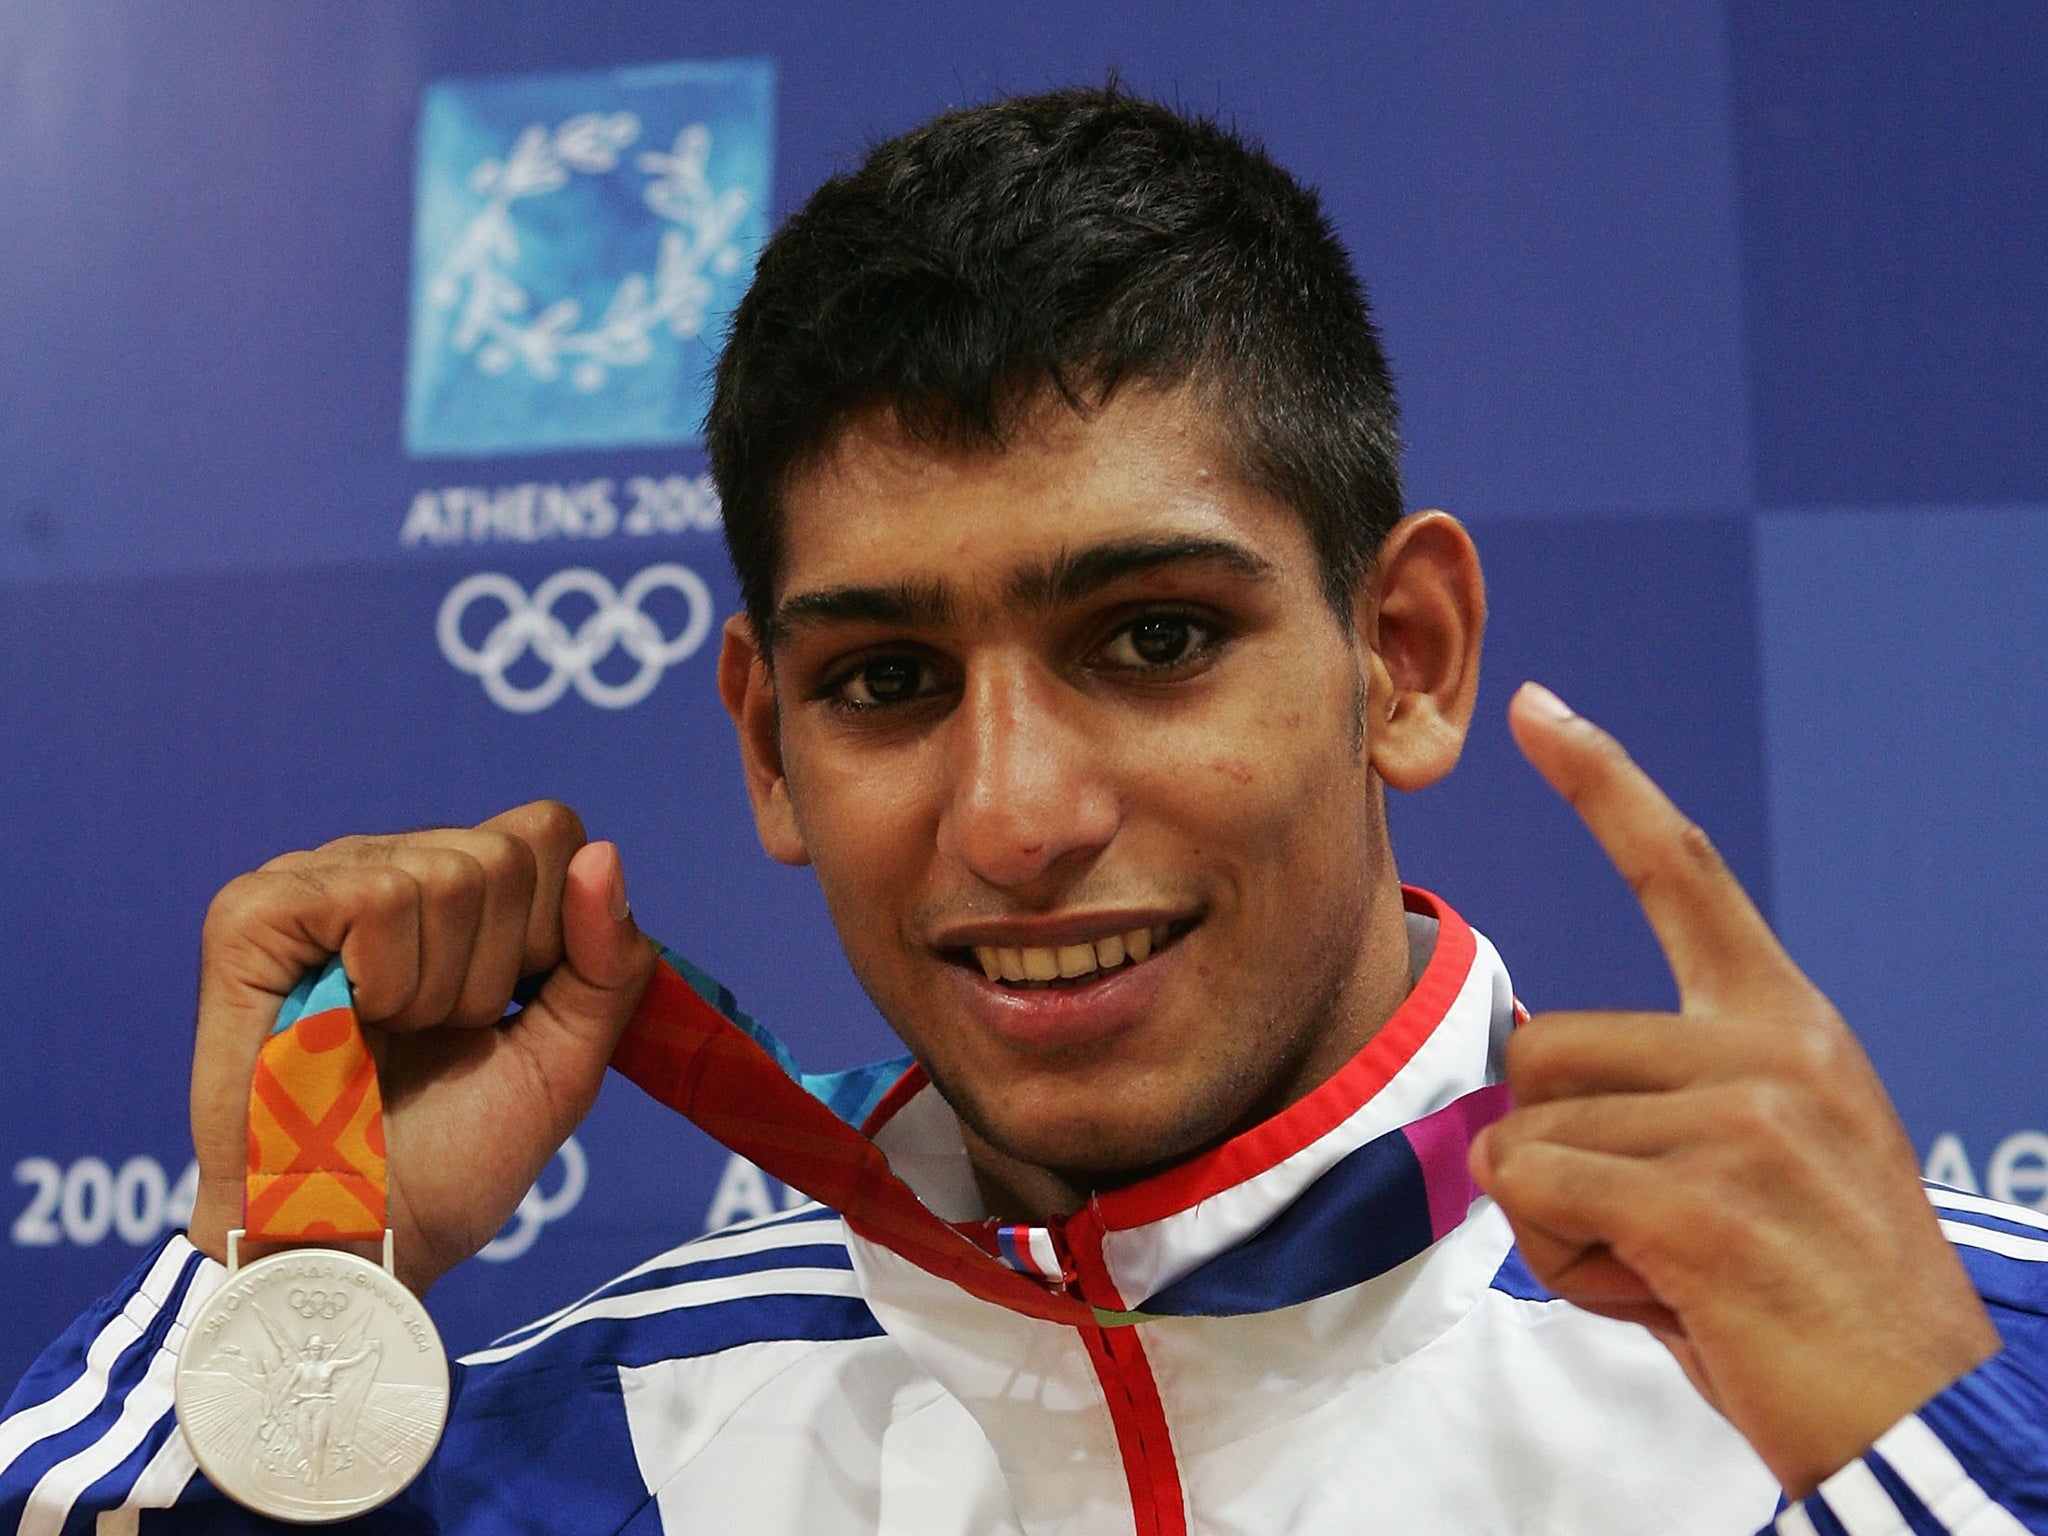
<point x="1028" y="788"/>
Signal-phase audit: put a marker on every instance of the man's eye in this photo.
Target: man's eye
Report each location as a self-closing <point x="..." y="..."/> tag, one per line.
<point x="1158" y="640"/>
<point x="883" y="680"/>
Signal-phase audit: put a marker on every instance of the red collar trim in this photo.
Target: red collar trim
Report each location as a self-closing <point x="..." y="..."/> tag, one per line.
<point x="1321" y="1111"/>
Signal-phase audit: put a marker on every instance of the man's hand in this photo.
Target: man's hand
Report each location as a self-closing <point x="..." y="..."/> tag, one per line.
<point x="1732" y="1177"/>
<point x="435" y="930"/>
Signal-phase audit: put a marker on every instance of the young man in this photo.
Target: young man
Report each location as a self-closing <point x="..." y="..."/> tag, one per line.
<point x="1083" y="631"/>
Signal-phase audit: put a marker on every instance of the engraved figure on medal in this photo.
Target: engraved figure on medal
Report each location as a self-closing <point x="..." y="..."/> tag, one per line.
<point x="312" y="1386"/>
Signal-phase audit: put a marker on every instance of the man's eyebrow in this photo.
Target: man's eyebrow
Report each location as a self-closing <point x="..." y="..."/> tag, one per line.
<point x="912" y="604"/>
<point x="1067" y="577"/>
<point x="1076" y="573"/>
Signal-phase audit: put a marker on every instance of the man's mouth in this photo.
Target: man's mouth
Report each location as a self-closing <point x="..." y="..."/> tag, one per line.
<point x="1028" y="966"/>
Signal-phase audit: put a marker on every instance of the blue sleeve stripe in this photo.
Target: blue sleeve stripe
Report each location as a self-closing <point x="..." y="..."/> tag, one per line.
<point x="163" y="1481"/>
<point x="1861" y="1505"/>
<point x="130" y="1370"/>
<point x="120" y="1486"/>
<point x="1925" y="1465"/>
<point x="684" y="1295"/>
<point x="167" y="1277"/>
<point x="2007" y="1244"/>
<point x="145" y="1409"/>
<point x="762" y="1267"/>
<point x="1976" y="1206"/>
<point x="1919" y="1519"/>
<point x="1910" y="1484"/>
<point x="592" y="1358"/>
<point x="808" y="1228"/>
<point x="1814" y="1518"/>
<point x="816" y="1255"/>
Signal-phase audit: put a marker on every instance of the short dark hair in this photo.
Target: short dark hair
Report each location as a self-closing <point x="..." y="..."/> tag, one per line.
<point x="1071" y="241"/>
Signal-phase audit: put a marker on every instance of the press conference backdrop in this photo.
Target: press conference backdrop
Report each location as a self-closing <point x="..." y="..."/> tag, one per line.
<point x="352" y="361"/>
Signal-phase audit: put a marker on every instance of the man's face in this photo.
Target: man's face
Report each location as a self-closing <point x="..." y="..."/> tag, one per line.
<point x="1078" y="714"/>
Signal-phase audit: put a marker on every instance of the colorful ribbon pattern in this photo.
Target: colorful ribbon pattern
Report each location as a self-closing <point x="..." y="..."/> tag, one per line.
<point x="316" y="1123"/>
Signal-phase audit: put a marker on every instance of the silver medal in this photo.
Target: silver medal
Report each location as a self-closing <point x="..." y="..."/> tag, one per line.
<point x="312" y="1385"/>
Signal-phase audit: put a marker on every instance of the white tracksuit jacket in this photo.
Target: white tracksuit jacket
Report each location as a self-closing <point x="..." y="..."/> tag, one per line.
<point x="1319" y="1327"/>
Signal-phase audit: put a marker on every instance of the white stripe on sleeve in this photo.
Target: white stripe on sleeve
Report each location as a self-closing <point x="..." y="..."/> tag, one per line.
<point x="1858" y="1500"/>
<point x="2018" y="1215"/>
<point x="687" y="1293"/>
<point x="1795" y="1522"/>
<point x="169" y="1470"/>
<point x="1938" y="1480"/>
<point x="148" y="1405"/>
<point x="81" y="1396"/>
<point x="2013" y="1247"/>
<point x="735" y="1241"/>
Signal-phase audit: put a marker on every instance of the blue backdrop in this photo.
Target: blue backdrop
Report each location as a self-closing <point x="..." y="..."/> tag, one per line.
<point x="334" y="334"/>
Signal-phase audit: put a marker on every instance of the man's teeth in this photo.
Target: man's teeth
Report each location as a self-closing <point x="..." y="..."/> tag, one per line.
<point x="1067" y="961"/>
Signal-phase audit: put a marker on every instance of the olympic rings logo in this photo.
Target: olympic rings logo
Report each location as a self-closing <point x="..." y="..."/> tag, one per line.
<point x="529" y="624"/>
<point x="327" y="1305"/>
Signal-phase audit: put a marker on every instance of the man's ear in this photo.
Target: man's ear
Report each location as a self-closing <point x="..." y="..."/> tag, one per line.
<point x="1422" y="615"/>
<point x="748" y="689"/>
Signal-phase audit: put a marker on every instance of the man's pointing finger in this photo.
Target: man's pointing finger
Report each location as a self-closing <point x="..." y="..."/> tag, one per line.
<point x="1716" y="941"/>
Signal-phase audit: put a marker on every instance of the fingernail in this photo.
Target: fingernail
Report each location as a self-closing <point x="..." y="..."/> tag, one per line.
<point x="1477" y="1162"/>
<point x="621" y="908"/>
<point x="1544" y="704"/>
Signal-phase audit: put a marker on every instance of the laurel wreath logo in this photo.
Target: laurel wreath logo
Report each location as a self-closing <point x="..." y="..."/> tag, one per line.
<point x="494" y="319"/>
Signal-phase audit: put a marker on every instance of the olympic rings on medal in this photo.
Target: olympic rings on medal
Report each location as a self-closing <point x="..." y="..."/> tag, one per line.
<point x="530" y="624"/>
<point x="322" y="1304"/>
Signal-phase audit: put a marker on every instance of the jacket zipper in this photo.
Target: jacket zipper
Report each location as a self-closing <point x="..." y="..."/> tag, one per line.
<point x="1151" y="1470"/>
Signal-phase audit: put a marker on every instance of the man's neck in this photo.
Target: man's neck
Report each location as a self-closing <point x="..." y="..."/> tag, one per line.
<point x="1014" y="1190"/>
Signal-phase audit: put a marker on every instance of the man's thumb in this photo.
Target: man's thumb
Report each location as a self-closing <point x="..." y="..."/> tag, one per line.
<point x="606" y="960"/>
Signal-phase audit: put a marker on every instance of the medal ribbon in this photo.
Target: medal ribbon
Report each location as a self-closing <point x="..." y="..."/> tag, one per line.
<point x="316" y="1131"/>
<point x="316" y="1123"/>
<point x="684" y="1052"/>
